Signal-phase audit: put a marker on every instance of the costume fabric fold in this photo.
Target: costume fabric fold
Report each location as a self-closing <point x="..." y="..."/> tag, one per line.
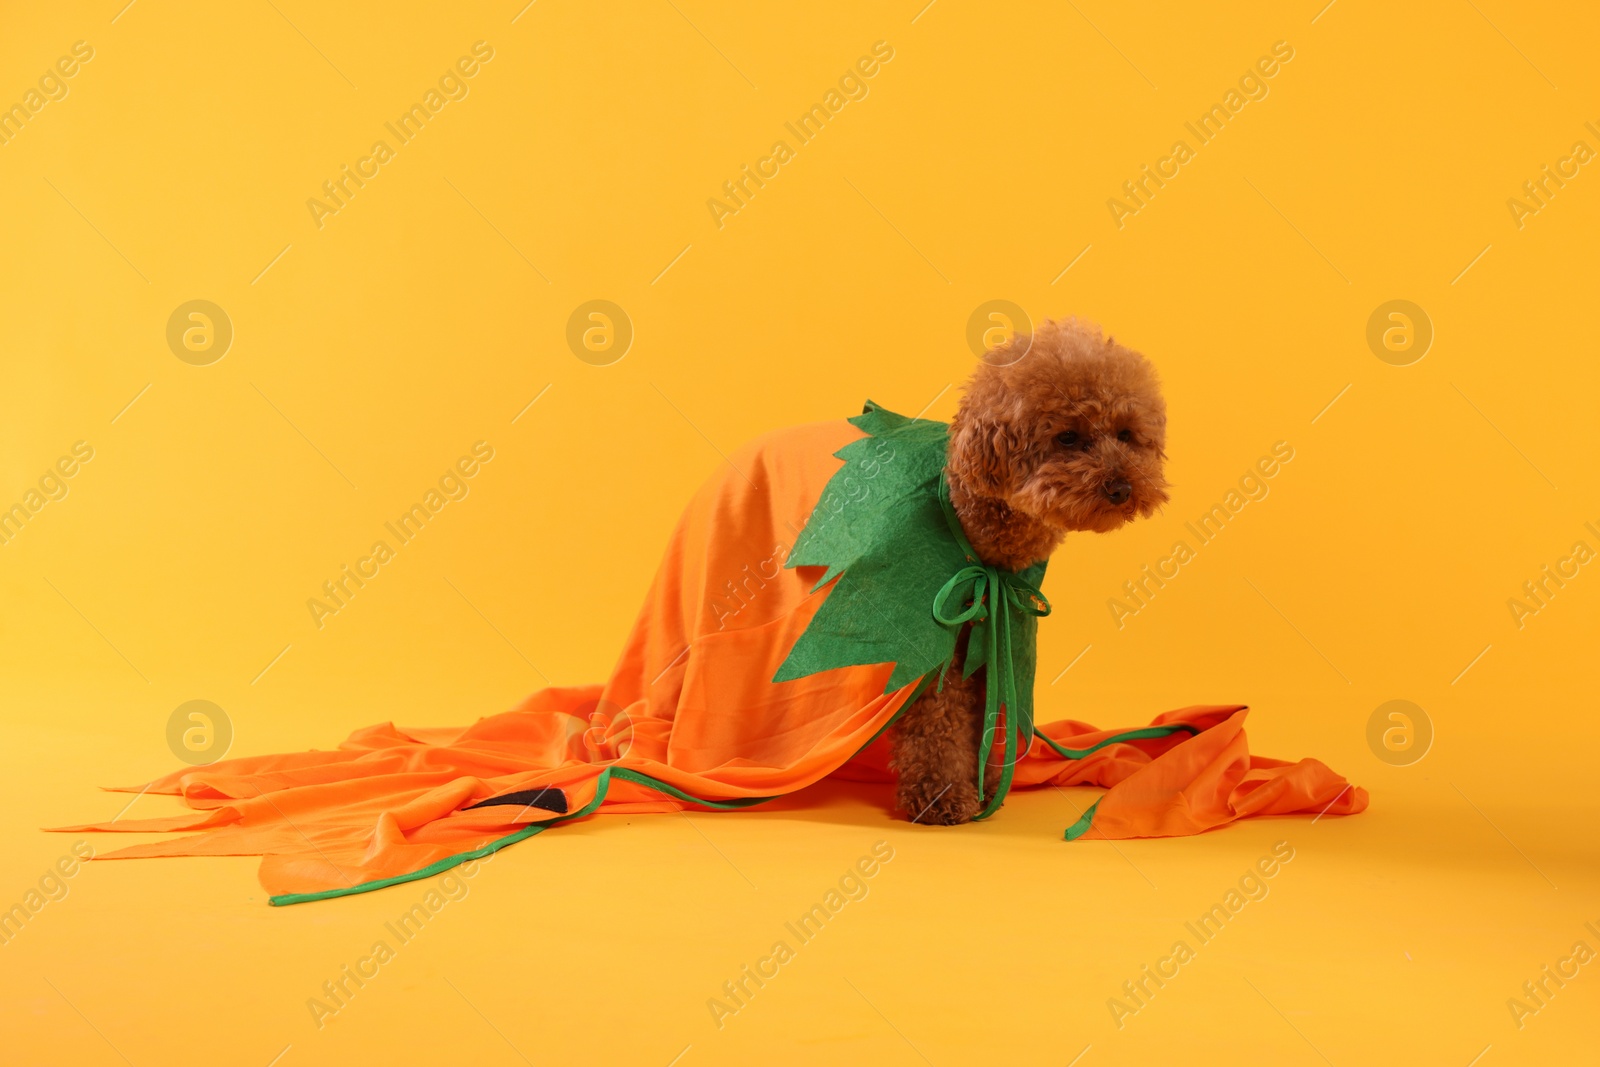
<point x="726" y="694"/>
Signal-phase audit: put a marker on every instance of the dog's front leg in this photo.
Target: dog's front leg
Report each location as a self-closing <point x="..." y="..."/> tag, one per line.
<point x="935" y="752"/>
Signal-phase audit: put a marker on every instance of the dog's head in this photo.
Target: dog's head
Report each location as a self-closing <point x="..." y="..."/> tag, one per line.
<point x="1067" y="427"/>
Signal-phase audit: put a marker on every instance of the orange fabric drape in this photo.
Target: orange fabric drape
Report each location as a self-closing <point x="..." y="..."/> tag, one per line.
<point x="691" y="704"/>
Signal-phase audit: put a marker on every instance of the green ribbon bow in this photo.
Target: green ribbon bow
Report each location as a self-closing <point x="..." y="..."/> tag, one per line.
<point x="988" y="598"/>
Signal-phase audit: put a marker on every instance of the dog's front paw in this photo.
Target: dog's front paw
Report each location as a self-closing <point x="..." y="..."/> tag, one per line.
<point x="939" y="803"/>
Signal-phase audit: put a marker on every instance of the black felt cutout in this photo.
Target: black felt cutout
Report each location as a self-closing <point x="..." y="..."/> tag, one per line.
<point x="546" y="799"/>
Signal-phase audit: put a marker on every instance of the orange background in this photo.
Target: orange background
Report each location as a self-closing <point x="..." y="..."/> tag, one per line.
<point x="371" y="352"/>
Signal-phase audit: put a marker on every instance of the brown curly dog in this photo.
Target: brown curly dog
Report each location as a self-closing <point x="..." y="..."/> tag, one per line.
<point x="1059" y="432"/>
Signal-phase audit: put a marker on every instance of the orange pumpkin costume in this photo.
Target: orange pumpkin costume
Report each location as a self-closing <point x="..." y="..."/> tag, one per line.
<point x="693" y="716"/>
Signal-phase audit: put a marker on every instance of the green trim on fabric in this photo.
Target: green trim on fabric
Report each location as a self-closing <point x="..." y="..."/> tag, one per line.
<point x="426" y="872"/>
<point x="602" y="787"/>
<point x="657" y="784"/>
<point x="1081" y="827"/>
<point x="1130" y="735"/>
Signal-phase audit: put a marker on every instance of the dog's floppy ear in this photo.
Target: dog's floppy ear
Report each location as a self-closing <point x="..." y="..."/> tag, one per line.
<point x="980" y="454"/>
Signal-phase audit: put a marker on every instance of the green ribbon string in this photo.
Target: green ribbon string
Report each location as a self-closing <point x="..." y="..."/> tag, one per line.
<point x="1127" y="735"/>
<point x="601" y="788"/>
<point x="1081" y="827"/>
<point x="988" y="597"/>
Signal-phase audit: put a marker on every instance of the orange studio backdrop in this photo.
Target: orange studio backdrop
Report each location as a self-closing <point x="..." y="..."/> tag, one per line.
<point x="357" y="363"/>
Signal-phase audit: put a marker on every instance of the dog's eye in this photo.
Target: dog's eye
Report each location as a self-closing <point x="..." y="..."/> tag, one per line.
<point x="1125" y="436"/>
<point x="1068" y="439"/>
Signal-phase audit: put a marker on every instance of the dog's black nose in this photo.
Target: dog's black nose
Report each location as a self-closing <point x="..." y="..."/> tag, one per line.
<point x="1117" y="491"/>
